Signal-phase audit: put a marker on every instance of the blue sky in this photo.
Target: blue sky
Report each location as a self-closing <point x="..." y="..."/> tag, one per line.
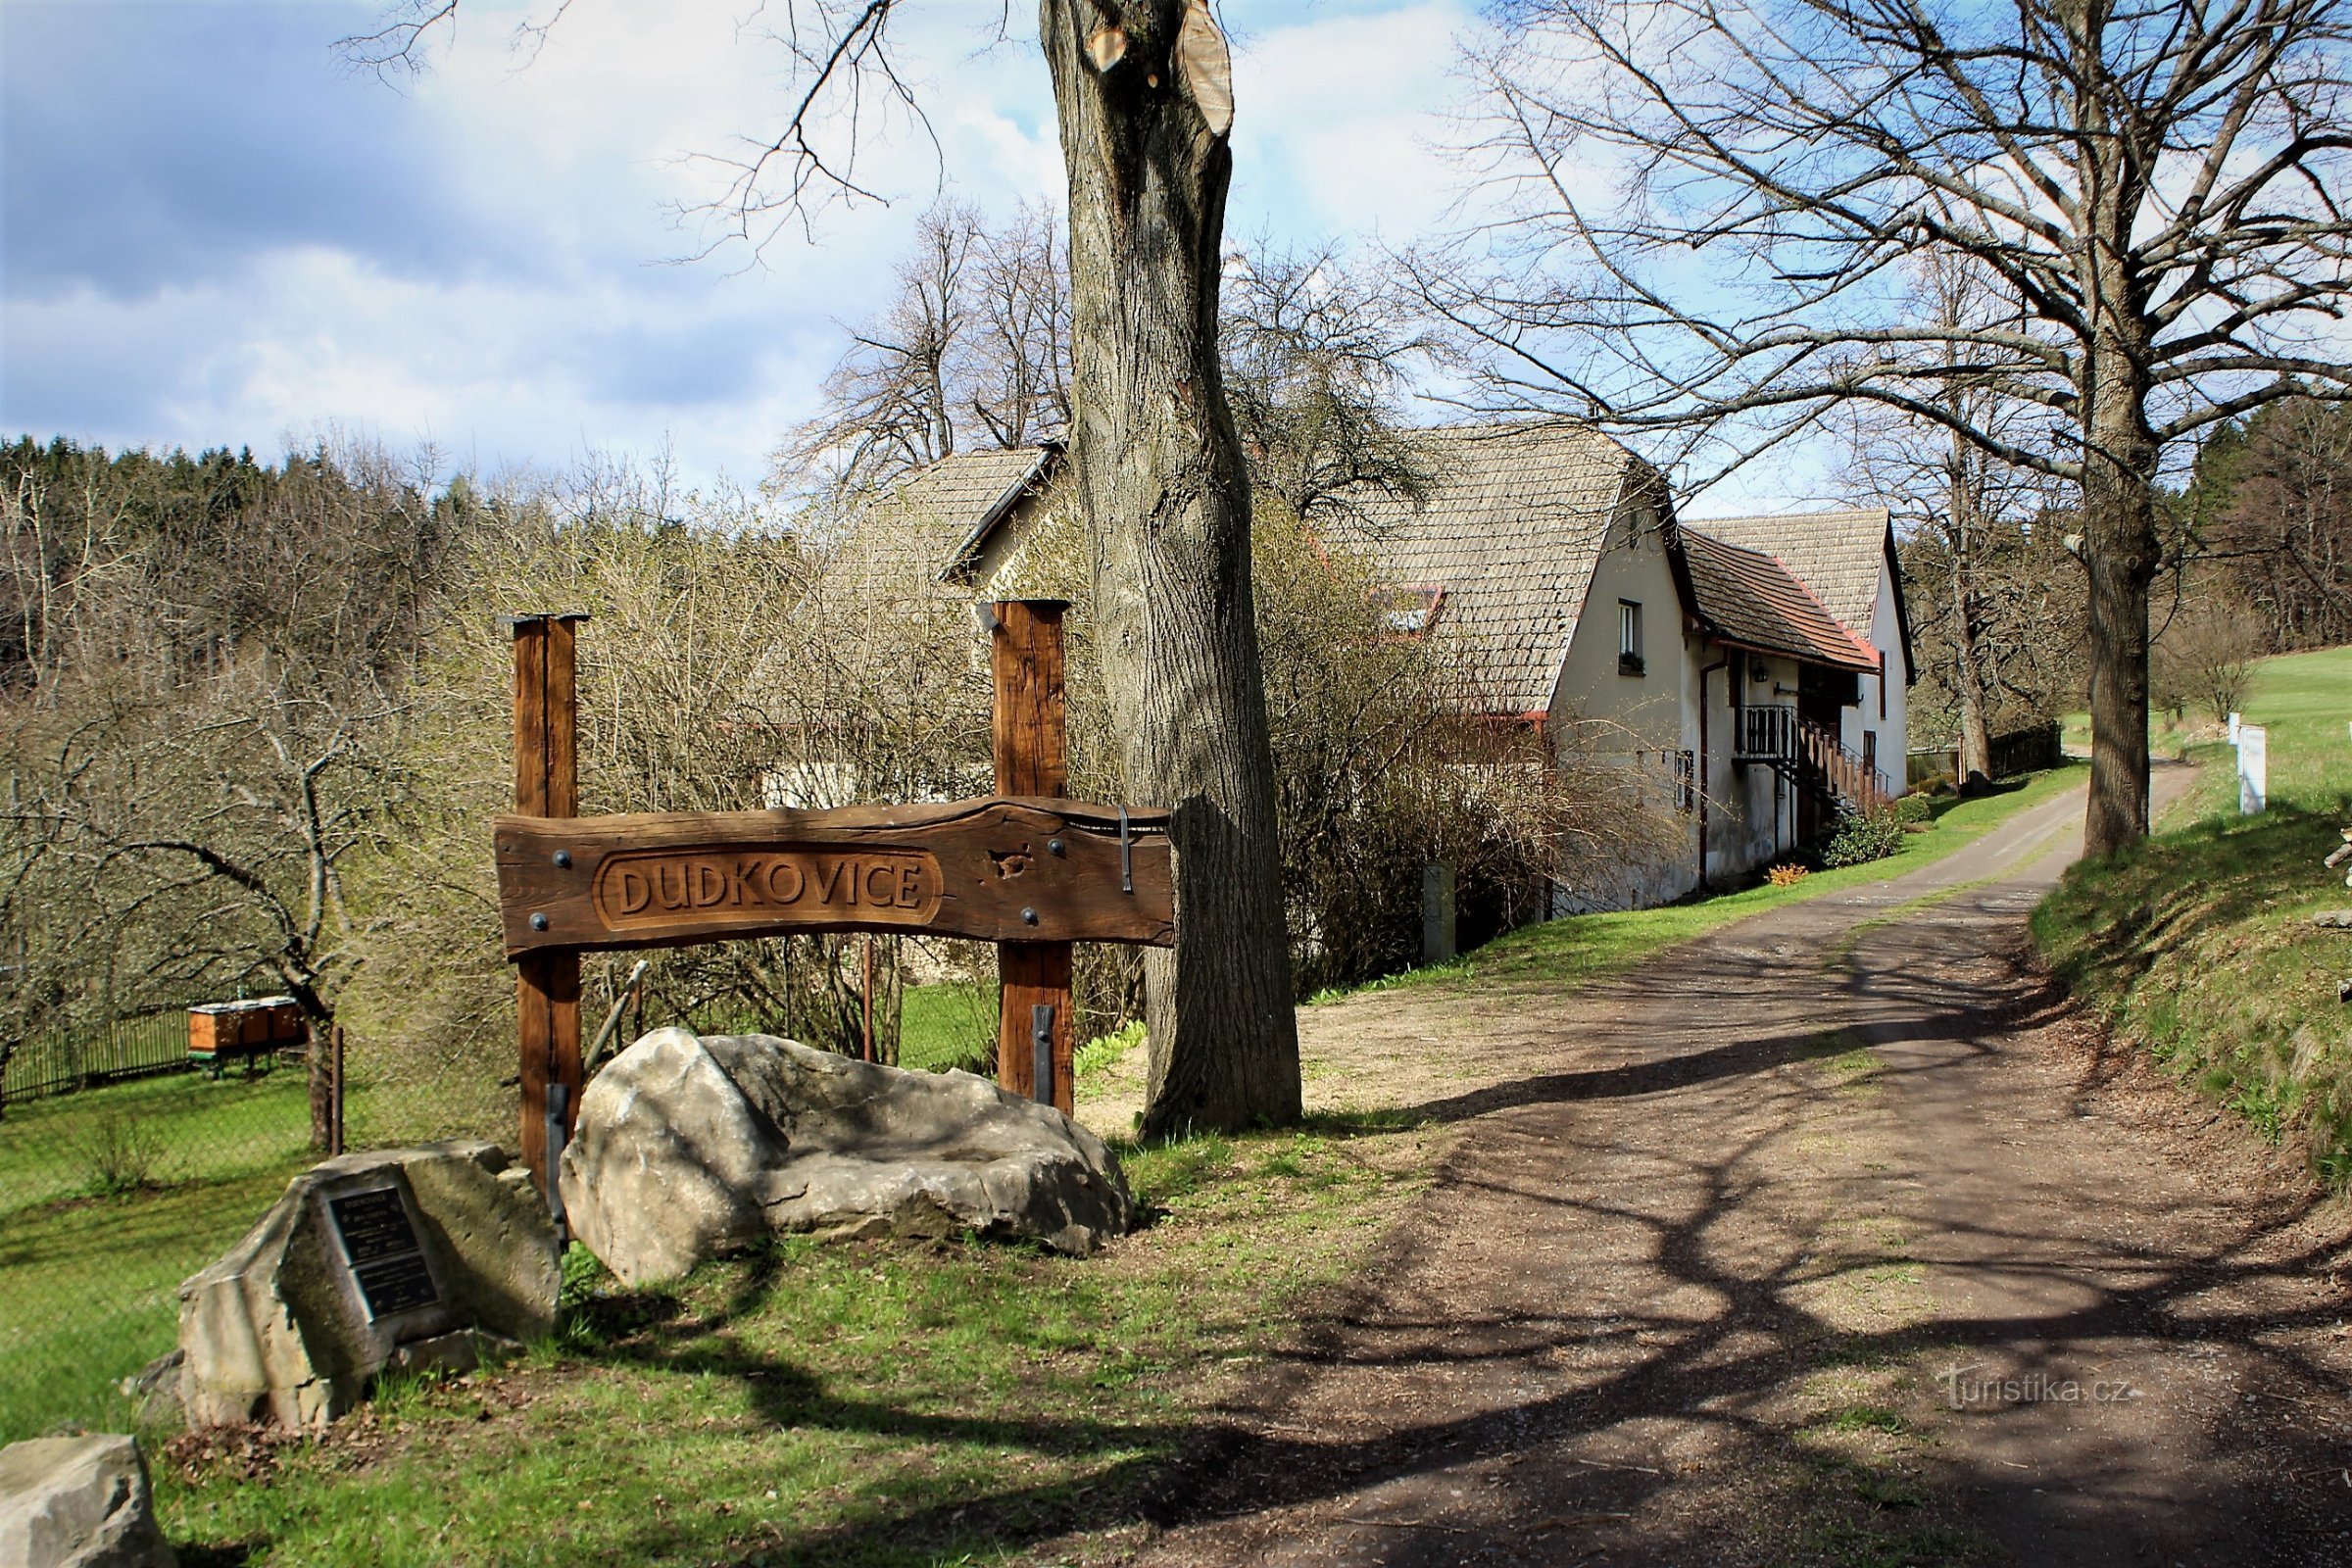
<point x="216" y="234"/>
<point x="211" y="232"/>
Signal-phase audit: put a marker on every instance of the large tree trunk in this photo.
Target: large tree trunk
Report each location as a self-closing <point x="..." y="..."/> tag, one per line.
<point x="1976" y="735"/>
<point x="1145" y="104"/>
<point x="2119" y="516"/>
<point x="1966" y="532"/>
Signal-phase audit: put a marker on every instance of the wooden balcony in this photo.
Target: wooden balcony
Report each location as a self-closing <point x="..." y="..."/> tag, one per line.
<point x="1810" y="756"/>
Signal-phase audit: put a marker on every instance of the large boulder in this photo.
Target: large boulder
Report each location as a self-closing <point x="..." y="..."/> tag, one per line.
<point x="400" y="1258"/>
<point x="689" y="1147"/>
<point x="78" y="1503"/>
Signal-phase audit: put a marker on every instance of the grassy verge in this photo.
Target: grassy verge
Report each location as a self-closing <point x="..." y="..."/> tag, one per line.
<point x="869" y="1404"/>
<point x="1591" y="947"/>
<point x="2198" y="942"/>
<point x="947" y="1025"/>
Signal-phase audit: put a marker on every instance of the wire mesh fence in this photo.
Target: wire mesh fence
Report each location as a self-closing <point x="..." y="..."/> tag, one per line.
<point x="125" y="1166"/>
<point x="137" y="1047"/>
<point x="116" y="1185"/>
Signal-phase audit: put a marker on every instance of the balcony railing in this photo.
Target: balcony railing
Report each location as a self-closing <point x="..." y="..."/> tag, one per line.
<point x="1811" y="755"/>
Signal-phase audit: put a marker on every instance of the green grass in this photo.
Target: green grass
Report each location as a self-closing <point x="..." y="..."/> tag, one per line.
<point x="876" y="1403"/>
<point x="1591" y="947"/>
<point x="2197" y="944"/>
<point x="947" y="1025"/>
<point x="108" y="1199"/>
<point x="824" y="1402"/>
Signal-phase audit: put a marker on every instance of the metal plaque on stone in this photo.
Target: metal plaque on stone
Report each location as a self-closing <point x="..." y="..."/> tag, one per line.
<point x="384" y="1253"/>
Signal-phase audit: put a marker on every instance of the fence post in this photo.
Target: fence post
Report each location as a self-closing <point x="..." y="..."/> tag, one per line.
<point x="334" y="1119"/>
<point x="547" y="985"/>
<point x="1030" y="731"/>
<point x="322" y="1087"/>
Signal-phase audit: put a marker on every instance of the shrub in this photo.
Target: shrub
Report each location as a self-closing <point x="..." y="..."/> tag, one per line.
<point x="1785" y="877"/>
<point x="1870" y="836"/>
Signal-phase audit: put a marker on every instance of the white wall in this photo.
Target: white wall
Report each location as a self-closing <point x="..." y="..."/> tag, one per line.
<point x="1885" y="634"/>
<point x="1617" y="717"/>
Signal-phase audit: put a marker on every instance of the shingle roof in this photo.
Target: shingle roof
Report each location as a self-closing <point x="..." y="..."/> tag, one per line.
<point x="1510" y="526"/>
<point x="1836" y="554"/>
<point x="928" y="520"/>
<point x="1749" y="598"/>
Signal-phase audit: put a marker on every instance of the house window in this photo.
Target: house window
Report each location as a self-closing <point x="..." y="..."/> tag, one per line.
<point x="1870" y="751"/>
<point x="1629" y="637"/>
<point x="1686" y="782"/>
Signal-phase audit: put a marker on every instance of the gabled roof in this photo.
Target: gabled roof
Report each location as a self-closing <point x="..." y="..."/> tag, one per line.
<point x="1839" y="555"/>
<point x="1511" y="525"/>
<point x="933" y="520"/>
<point x="1748" y="597"/>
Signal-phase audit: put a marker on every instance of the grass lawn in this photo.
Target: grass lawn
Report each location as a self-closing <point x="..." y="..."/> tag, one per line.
<point x="908" y="1405"/>
<point x="2198" y="942"/>
<point x="1590" y="947"/>
<point x="110" y="1197"/>
<point x="947" y="1025"/>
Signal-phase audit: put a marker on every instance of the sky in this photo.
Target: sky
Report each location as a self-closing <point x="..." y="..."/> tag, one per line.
<point x="214" y="232"/>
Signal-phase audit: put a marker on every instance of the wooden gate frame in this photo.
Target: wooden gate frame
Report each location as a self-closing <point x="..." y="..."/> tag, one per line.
<point x="1026" y="858"/>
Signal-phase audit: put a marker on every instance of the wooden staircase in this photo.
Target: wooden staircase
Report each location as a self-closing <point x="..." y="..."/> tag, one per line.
<point x="1810" y="758"/>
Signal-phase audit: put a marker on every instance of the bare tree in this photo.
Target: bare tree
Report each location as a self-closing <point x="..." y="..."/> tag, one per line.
<point x="2157" y="187"/>
<point x="1014" y="375"/>
<point x="1316" y="358"/>
<point x="891" y="405"/>
<point x="2204" y="654"/>
<point x="1979" y="585"/>
<point x="212" y="737"/>
<point x="972" y="351"/>
<point x="1143" y="94"/>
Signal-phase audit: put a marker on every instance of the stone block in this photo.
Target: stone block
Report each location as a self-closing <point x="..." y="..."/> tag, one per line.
<point x="78" y="1502"/>
<point x="394" y="1258"/>
<point x="690" y="1147"/>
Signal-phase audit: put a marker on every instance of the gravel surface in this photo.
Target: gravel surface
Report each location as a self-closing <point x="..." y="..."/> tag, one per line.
<point x="1834" y="1236"/>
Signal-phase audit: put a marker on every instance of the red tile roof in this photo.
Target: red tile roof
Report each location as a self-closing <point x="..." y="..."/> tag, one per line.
<point x="1748" y="598"/>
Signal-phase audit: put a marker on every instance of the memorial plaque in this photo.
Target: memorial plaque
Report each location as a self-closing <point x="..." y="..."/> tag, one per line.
<point x="381" y="1247"/>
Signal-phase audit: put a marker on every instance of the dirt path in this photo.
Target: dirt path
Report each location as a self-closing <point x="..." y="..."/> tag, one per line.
<point x="1827" y="1238"/>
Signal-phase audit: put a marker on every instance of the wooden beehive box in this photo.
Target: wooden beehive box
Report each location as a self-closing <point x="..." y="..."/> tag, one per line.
<point x="243" y="1028"/>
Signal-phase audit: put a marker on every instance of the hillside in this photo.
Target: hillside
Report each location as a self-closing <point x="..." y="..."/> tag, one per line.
<point x="2198" y="942"/>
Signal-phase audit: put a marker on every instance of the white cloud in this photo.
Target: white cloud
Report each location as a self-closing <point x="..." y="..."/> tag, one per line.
<point x="548" y="325"/>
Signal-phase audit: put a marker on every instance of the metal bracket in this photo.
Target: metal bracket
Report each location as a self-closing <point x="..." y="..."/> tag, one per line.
<point x="1126" y="854"/>
<point x="557" y="1096"/>
<point x="1040" y="1042"/>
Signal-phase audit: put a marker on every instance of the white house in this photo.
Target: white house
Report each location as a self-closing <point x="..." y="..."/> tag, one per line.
<point x="1758" y="665"/>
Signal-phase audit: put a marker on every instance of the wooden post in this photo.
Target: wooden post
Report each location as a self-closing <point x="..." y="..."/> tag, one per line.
<point x="547" y="783"/>
<point x="335" y="1091"/>
<point x="318" y="1070"/>
<point x="1031" y="734"/>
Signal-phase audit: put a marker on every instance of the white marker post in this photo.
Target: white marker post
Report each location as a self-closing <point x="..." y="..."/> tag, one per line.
<point x="2253" y="769"/>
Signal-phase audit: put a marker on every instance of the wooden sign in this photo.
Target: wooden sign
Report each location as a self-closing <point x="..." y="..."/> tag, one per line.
<point x="1026" y="869"/>
<point x="995" y="870"/>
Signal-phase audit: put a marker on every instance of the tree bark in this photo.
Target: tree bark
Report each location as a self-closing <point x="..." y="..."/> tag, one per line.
<point x="1964" y="525"/>
<point x="2119" y="514"/>
<point x="1143" y="93"/>
<point x="1976" y="735"/>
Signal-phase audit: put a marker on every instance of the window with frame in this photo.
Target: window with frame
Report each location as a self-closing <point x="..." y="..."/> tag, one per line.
<point x="1629" y="637"/>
